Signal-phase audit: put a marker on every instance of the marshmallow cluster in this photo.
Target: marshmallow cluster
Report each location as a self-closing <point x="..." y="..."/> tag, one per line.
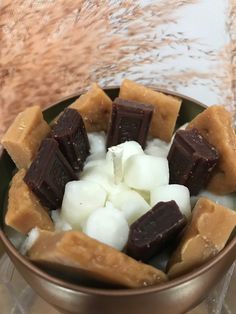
<point x="117" y="187"/>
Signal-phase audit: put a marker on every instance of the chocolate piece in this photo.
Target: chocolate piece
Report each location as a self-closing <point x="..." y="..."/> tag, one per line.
<point x="69" y="131"/>
<point x="191" y="160"/>
<point x="73" y="252"/>
<point x="24" y="212"/>
<point x="206" y="235"/>
<point x="215" y="124"/>
<point x="155" y="229"/>
<point x="166" y="107"/>
<point x="48" y="174"/>
<point x="130" y="121"/>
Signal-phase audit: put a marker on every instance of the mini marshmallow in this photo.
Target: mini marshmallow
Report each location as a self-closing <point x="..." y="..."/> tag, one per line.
<point x="144" y="172"/>
<point x="131" y="204"/>
<point x="80" y="199"/>
<point x="99" y="176"/>
<point x="128" y="149"/>
<point x="157" y="148"/>
<point x="178" y="193"/>
<point x="108" y="225"/>
<point x="97" y="142"/>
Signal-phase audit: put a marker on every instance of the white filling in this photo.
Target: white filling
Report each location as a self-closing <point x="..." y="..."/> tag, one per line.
<point x="30" y="240"/>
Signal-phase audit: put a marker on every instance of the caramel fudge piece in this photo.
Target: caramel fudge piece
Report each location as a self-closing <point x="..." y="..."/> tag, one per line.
<point x="206" y="235"/>
<point x="215" y="125"/>
<point x="166" y="107"/>
<point x="74" y="251"/>
<point x="24" y="211"/>
<point x="95" y="108"/>
<point x="24" y="136"/>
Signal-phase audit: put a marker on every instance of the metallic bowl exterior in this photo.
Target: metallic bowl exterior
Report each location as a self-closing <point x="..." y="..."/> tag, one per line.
<point x="174" y="297"/>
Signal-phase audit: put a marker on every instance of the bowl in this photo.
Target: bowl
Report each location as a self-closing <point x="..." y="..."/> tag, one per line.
<point x="174" y="297"/>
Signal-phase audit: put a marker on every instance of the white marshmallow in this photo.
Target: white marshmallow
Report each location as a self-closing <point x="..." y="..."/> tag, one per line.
<point x="157" y="147"/>
<point x="80" y="199"/>
<point x="179" y="193"/>
<point x="59" y="223"/>
<point x="108" y="225"/>
<point x="144" y="172"/>
<point x="128" y="149"/>
<point x="131" y="204"/>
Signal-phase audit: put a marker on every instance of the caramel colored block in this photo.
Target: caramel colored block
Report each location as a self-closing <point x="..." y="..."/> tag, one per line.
<point x="75" y="251"/>
<point x="166" y="107"/>
<point x="24" y="211"/>
<point x="95" y="108"/>
<point x="24" y="136"/>
<point x="215" y="124"/>
<point x="206" y="235"/>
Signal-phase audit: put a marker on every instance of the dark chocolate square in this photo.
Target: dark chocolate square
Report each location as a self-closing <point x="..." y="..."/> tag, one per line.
<point x="191" y="160"/>
<point x="70" y="133"/>
<point x="130" y="121"/>
<point x="48" y="174"/>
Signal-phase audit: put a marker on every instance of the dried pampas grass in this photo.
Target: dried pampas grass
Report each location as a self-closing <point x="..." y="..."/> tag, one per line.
<point x="51" y="48"/>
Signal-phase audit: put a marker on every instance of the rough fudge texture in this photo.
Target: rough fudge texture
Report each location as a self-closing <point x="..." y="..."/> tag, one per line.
<point x="215" y="124"/>
<point x="84" y="255"/>
<point x="95" y="108"/>
<point x="129" y="121"/>
<point x="69" y="131"/>
<point x="154" y="230"/>
<point x="191" y="160"/>
<point x="24" y="211"/>
<point x="206" y="235"/>
<point x="24" y="136"/>
<point x="166" y="107"/>
<point x="48" y="174"/>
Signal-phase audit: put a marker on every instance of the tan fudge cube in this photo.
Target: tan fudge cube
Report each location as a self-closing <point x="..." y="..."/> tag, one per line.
<point x="24" y="211"/>
<point x="25" y="135"/>
<point x="76" y="253"/>
<point x="95" y="108"/>
<point x="166" y="107"/>
<point x="215" y="124"/>
<point x="206" y="235"/>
